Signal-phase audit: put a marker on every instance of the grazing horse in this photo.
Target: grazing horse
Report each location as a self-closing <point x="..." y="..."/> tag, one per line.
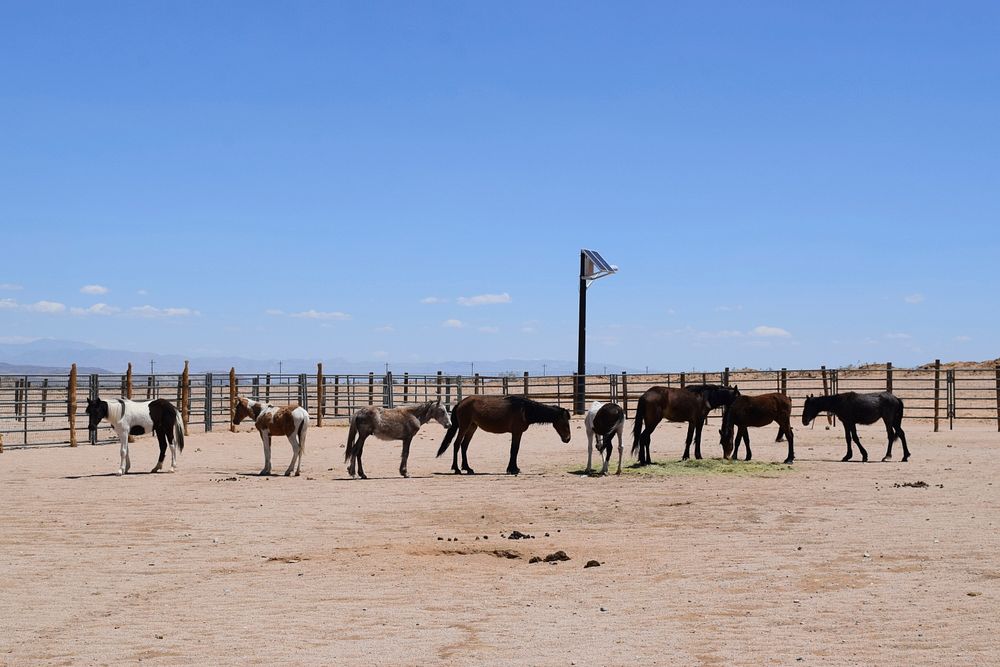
<point x="756" y="411"/>
<point x="604" y="420"/>
<point x="716" y="395"/>
<point x="390" y="424"/>
<point x="853" y="409"/>
<point x="672" y="404"/>
<point x="129" y="417"/>
<point x="272" y="420"/>
<point x="499" y="414"/>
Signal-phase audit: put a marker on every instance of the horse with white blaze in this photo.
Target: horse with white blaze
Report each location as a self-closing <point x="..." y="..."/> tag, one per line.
<point x="288" y="420"/>
<point x="129" y="417"/>
<point x="604" y="420"/>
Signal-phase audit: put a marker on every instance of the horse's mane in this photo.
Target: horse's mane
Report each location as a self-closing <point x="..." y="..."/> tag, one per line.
<point x="535" y="412"/>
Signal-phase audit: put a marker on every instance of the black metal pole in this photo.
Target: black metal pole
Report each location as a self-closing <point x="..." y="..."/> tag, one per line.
<point x="579" y="405"/>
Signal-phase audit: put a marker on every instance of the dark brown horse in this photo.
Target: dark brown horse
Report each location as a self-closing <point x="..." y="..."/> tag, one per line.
<point x="499" y="414"/>
<point x="756" y="411"/>
<point x="672" y="404"/>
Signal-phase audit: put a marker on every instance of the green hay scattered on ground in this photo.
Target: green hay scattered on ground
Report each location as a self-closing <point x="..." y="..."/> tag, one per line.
<point x="702" y="467"/>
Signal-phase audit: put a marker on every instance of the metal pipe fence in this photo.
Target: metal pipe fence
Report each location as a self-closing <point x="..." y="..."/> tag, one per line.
<point x="35" y="409"/>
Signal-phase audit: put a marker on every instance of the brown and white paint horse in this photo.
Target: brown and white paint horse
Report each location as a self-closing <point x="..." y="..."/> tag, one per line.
<point x="389" y="424"/>
<point x="605" y="420"/>
<point x="271" y="420"/>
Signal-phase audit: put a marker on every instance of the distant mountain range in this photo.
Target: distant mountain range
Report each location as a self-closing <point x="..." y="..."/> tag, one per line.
<point x="55" y="356"/>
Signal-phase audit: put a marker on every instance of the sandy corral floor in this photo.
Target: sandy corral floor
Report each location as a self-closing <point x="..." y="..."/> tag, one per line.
<point x="826" y="563"/>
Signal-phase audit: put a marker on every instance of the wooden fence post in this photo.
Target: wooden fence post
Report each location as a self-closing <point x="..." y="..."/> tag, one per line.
<point x="232" y="399"/>
<point x="725" y="377"/>
<point x="683" y="380"/>
<point x="439" y="386"/>
<point x="336" y="396"/>
<point x="998" y="396"/>
<point x="888" y="376"/>
<point x="71" y="405"/>
<point x="186" y="397"/>
<point x="937" y="392"/>
<point x="128" y="382"/>
<point x="320" y="394"/>
<point x="826" y="392"/>
<point x="45" y="396"/>
<point x="406" y="388"/>
<point x="784" y="381"/>
<point x="525" y="383"/>
<point x="625" y="393"/>
<point x="371" y="388"/>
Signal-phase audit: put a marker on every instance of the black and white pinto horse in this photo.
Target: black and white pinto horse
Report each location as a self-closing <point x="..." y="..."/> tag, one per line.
<point x="605" y="420"/>
<point x="129" y="417"/>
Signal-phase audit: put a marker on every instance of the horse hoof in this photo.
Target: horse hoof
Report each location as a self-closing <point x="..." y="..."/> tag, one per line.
<point x="296" y="473"/>
<point x="788" y="461"/>
<point x="156" y="469"/>
<point x="264" y="473"/>
<point x="120" y="472"/>
<point x="172" y="469"/>
<point x="456" y="471"/>
<point x="905" y="459"/>
<point x="403" y="475"/>
<point x="515" y="471"/>
<point x="470" y="471"/>
<point x="363" y="476"/>
<point x="886" y="458"/>
<point x="845" y="459"/>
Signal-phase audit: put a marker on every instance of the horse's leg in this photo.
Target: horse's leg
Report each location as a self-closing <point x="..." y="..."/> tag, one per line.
<point x="690" y="435"/>
<point x="162" y="440"/>
<point x="781" y="433"/>
<point x="902" y="440"/>
<point x="891" y="433"/>
<point x="621" y="449"/>
<point x="854" y="434"/>
<point x="123" y="438"/>
<point x="172" y="441"/>
<point x="791" y="444"/>
<point x="359" y="449"/>
<point x="607" y="457"/>
<point x="590" y="451"/>
<point x="697" y="438"/>
<point x="745" y="432"/>
<point x="293" y="440"/>
<point x="644" y="439"/>
<point x="847" y="436"/>
<point x="515" y="445"/>
<point x="465" y="449"/>
<point x="406" y="455"/>
<point x="265" y="438"/>
<point x="456" y="445"/>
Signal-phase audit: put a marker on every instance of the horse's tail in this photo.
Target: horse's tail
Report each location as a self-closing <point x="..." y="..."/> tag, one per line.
<point x="640" y="410"/>
<point x="352" y="434"/>
<point x="897" y="422"/>
<point x="452" y="430"/>
<point x="303" y="427"/>
<point x="179" y="430"/>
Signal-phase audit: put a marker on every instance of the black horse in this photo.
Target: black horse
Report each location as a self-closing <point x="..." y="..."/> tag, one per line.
<point x="853" y="408"/>
<point x="716" y="395"/>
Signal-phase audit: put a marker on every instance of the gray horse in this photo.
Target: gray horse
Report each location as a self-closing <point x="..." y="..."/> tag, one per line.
<point x="389" y="424"/>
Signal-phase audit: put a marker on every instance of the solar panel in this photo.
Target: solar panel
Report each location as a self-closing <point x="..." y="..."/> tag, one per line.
<point x="595" y="266"/>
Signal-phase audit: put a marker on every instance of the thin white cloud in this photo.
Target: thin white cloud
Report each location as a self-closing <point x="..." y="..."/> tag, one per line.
<point x="7" y="304"/>
<point x="10" y="287"/>
<point x="484" y="299"/>
<point x="17" y="340"/>
<point x="914" y="298"/>
<point x="898" y="336"/>
<point x="96" y="309"/>
<point x="728" y="309"/>
<point x="489" y="329"/>
<point x="50" y="307"/>
<point x="433" y="299"/>
<point x="152" y="311"/>
<point x="963" y="339"/>
<point x="386" y="328"/>
<point x="141" y="292"/>
<point x="322" y="315"/>
<point x="770" y="332"/>
<point x="452" y="324"/>
<point x="94" y="289"/>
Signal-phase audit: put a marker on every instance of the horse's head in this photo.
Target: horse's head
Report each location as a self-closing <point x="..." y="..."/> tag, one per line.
<point x="439" y="413"/>
<point x="810" y="410"/>
<point x="561" y="425"/>
<point x="242" y="410"/>
<point x="726" y="439"/>
<point x="97" y="410"/>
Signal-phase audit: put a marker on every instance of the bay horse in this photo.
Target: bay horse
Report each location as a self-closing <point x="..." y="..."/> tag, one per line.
<point x="129" y="417"/>
<point x="672" y="404"/>
<point x="756" y="411"/>
<point x="271" y="420"/>
<point x="853" y="409"/>
<point x="390" y="424"/>
<point x="716" y="395"/>
<point x="604" y="420"/>
<point x="499" y="414"/>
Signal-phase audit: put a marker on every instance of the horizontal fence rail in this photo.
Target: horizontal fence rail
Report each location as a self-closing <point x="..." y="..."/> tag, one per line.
<point x="44" y="410"/>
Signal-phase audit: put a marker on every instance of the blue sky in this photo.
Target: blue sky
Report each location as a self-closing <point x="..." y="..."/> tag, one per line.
<point x="782" y="184"/>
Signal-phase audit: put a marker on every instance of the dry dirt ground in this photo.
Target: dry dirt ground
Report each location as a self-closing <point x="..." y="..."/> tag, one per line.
<point x="827" y="563"/>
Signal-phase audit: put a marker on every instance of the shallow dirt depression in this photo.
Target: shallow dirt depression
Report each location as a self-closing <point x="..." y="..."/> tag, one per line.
<point x="823" y="563"/>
